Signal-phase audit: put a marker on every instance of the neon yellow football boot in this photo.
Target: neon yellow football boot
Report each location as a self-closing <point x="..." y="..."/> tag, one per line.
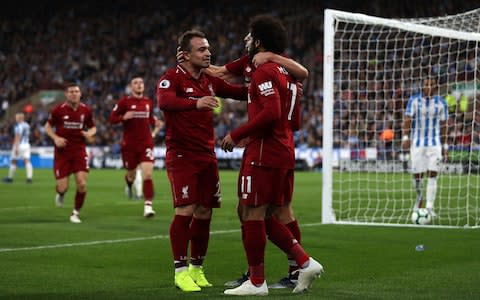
<point x="184" y="282"/>
<point x="197" y="274"/>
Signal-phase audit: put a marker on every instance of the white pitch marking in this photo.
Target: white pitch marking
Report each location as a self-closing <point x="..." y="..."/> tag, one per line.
<point x="155" y="237"/>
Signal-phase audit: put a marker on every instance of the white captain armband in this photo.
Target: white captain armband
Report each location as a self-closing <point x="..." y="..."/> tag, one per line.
<point x="445" y="147"/>
<point x="405" y="138"/>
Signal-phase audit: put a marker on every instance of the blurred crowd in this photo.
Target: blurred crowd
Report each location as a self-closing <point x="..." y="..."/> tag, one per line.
<point x="100" y="47"/>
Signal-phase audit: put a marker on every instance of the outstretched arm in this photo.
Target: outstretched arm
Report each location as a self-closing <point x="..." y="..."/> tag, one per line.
<point x="297" y="70"/>
<point x="220" y="72"/>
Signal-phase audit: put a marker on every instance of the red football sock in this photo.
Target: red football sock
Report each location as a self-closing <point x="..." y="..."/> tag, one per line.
<point x="79" y="199"/>
<point x="200" y="233"/>
<point x="179" y="237"/>
<point x="283" y="239"/>
<point x="148" y="190"/>
<point x="254" y="244"/>
<point x="295" y="230"/>
<point x="242" y="229"/>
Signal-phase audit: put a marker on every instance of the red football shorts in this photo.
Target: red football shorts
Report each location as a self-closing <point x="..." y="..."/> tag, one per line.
<point x="262" y="185"/>
<point x="132" y="157"/>
<point x="194" y="182"/>
<point x="65" y="164"/>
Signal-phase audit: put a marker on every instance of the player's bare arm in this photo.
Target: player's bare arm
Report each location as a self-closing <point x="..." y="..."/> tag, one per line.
<point x="90" y="132"/>
<point x="297" y="70"/>
<point x="57" y="140"/>
<point x="158" y="126"/>
<point x="406" y="133"/>
<point x="128" y="115"/>
<point x="16" y="143"/>
<point x="220" y="72"/>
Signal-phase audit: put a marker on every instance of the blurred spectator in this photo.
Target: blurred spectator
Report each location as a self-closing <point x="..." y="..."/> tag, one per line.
<point x="53" y="43"/>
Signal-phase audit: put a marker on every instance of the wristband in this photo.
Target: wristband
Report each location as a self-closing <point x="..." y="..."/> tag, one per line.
<point x="445" y="147"/>
<point x="405" y="138"/>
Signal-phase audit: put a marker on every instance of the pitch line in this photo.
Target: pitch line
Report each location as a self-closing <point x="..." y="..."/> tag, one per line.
<point x="92" y="243"/>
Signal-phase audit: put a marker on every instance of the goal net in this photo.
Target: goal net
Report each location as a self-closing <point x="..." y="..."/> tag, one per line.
<point x="372" y="66"/>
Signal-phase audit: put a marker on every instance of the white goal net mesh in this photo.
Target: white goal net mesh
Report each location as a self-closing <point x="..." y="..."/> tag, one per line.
<point x="372" y="67"/>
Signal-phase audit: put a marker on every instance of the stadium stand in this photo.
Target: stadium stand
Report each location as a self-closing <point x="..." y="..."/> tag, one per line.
<point x="99" y="46"/>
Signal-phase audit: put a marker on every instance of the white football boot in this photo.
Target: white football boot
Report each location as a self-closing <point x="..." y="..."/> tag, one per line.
<point x="248" y="289"/>
<point x="307" y="275"/>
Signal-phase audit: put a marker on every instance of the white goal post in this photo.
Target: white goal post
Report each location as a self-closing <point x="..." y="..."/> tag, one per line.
<point x="372" y="66"/>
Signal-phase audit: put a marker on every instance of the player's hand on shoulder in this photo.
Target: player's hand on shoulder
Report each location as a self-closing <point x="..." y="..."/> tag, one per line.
<point x="207" y="103"/>
<point x="261" y="57"/>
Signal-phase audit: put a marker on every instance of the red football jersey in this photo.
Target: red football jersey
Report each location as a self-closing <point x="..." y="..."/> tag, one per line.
<point x="188" y="130"/>
<point x="273" y="106"/>
<point x="137" y="130"/>
<point x="69" y="124"/>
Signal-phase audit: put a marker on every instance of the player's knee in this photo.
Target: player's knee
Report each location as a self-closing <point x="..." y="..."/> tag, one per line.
<point x="131" y="176"/>
<point x="82" y="186"/>
<point x="202" y="212"/>
<point x="284" y="214"/>
<point x="61" y="188"/>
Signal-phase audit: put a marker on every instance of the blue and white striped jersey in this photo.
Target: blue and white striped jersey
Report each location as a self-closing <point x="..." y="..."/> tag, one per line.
<point x="426" y="114"/>
<point x="23" y="130"/>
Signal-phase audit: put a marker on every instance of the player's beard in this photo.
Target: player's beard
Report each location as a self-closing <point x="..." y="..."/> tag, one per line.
<point x="252" y="51"/>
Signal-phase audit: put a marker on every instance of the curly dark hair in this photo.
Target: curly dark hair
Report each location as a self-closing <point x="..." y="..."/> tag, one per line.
<point x="270" y="32"/>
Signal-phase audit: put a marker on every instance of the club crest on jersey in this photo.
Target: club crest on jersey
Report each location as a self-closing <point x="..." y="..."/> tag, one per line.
<point x="266" y="88"/>
<point x="133" y="106"/>
<point x="164" y="84"/>
<point x="65" y="117"/>
<point x="189" y="90"/>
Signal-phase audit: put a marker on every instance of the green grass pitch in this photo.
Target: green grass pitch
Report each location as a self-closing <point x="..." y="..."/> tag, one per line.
<point x="117" y="254"/>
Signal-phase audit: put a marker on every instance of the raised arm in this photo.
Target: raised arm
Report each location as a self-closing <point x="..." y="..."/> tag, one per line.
<point x="297" y="70"/>
<point x="221" y="72"/>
